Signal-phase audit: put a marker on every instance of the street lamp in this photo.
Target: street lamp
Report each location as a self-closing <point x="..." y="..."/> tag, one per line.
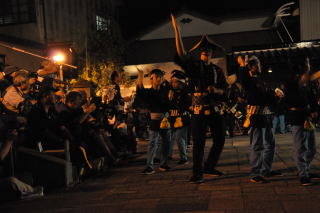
<point x="59" y="59"/>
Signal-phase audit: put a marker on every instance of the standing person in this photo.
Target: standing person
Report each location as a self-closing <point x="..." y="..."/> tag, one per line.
<point x="179" y="116"/>
<point x="207" y="86"/>
<point x="302" y="109"/>
<point x="157" y="102"/>
<point x="260" y="97"/>
<point x="118" y="101"/>
<point x="279" y="112"/>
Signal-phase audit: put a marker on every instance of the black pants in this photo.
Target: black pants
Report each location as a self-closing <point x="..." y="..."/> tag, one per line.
<point x="198" y="127"/>
<point x="230" y="122"/>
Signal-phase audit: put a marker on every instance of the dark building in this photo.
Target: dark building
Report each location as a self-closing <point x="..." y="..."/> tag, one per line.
<point x="42" y="26"/>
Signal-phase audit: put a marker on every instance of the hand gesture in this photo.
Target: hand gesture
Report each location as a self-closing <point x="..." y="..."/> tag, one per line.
<point x="140" y="72"/>
<point x="140" y="77"/>
<point x="241" y="62"/>
<point x="90" y="108"/>
<point x="279" y="92"/>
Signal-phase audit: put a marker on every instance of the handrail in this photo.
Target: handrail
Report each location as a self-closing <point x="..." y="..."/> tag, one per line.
<point x="36" y="55"/>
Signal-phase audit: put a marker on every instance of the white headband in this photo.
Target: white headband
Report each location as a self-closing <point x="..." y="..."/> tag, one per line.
<point x="178" y="79"/>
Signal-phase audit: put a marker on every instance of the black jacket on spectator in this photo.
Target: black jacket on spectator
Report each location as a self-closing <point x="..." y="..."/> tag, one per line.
<point x="43" y="127"/>
<point x="71" y="119"/>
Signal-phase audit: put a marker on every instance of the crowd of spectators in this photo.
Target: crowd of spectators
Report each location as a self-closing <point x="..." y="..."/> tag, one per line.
<point x="40" y="113"/>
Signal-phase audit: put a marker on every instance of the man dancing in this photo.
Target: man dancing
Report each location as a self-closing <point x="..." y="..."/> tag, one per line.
<point x="302" y="111"/>
<point x="207" y="86"/>
<point x="157" y="101"/>
<point x="260" y="97"/>
<point x="180" y="102"/>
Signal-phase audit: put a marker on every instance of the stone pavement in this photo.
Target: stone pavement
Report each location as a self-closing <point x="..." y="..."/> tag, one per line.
<point x="124" y="189"/>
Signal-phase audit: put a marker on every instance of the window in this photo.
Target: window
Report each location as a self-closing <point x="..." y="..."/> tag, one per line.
<point x="103" y="23"/>
<point x="17" y="12"/>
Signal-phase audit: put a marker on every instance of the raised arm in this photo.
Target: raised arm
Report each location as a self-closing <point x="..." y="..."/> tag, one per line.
<point x="48" y="68"/>
<point x="179" y="44"/>
<point x="140" y="78"/>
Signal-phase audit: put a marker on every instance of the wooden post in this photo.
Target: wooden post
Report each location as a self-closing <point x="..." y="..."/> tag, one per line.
<point x="60" y="72"/>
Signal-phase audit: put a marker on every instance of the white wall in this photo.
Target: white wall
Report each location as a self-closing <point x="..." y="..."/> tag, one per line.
<point x="198" y="27"/>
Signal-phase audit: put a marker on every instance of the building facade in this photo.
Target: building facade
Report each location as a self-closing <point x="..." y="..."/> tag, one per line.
<point x="42" y="26"/>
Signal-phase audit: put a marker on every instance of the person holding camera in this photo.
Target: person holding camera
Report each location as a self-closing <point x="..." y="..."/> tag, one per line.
<point x="42" y="122"/>
<point x="16" y="98"/>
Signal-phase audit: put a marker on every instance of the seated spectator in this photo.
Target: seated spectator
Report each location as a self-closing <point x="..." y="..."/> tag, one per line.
<point x="78" y="120"/>
<point x="34" y="85"/>
<point x="50" y="84"/>
<point x="10" y="187"/>
<point x="43" y="124"/>
<point x="15" y="94"/>
<point x="8" y="73"/>
<point x="72" y="116"/>
<point x="7" y="139"/>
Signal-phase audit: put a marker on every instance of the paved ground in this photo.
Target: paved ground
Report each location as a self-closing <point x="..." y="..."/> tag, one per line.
<point x="126" y="190"/>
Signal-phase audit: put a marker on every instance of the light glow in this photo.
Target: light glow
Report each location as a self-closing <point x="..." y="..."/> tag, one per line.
<point x="58" y="58"/>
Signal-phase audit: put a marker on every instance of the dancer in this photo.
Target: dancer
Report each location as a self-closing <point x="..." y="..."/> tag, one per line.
<point x="157" y="101"/>
<point x="302" y="111"/>
<point x="207" y="85"/>
<point x="260" y="97"/>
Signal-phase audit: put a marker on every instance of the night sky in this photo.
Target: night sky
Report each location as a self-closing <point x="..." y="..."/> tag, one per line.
<point x="139" y="15"/>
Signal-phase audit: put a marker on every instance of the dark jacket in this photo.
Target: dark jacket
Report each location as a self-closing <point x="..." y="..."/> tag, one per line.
<point x="179" y="107"/>
<point x="200" y="76"/>
<point x="156" y="102"/>
<point x="300" y="101"/>
<point x="259" y="93"/>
